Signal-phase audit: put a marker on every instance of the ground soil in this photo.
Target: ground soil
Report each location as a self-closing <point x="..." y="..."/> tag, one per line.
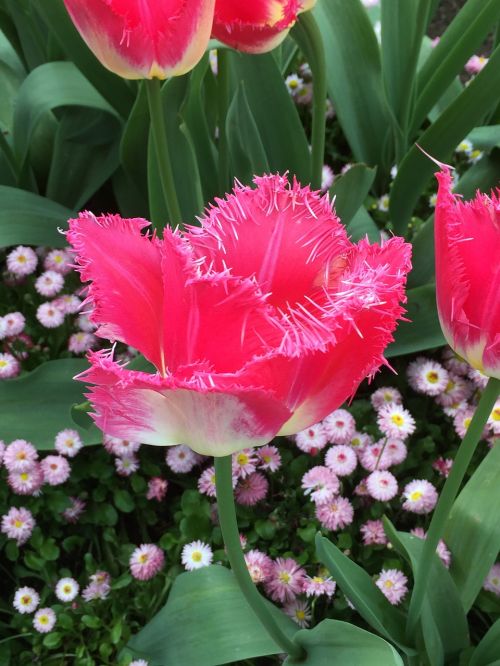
<point x="445" y="13"/>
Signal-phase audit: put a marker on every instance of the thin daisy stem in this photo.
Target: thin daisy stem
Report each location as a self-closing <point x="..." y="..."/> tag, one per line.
<point x="308" y="37"/>
<point x="447" y="498"/>
<point x="153" y="89"/>
<point x="229" y="527"/>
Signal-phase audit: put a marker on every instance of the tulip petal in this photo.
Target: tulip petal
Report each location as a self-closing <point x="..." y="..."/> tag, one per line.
<point x="216" y="420"/>
<point x="127" y="287"/>
<point x="467" y="236"/>
<point x="137" y="39"/>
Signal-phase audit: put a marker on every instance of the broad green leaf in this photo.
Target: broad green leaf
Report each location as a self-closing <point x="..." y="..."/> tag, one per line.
<point x="206" y="622"/>
<point x="473" y="529"/>
<point x="485" y="138"/>
<point x="276" y="117"/>
<point x="487" y="651"/>
<point x="37" y="405"/>
<point x="362" y="592"/>
<point x="423" y="331"/>
<point x="30" y="31"/>
<point x="248" y="155"/>
<point x="350" y="191"/>
<point x="48" y="87"/>
<point x="448" y="633"/>
<point x="30" y="219"/>
<point x="362" y="225"/>
<point x="355" y="79"/>
<point x="334" y="643"/>
<point x="459" y="41"/>
<point x="118" y="92"/>
<point x="12" y="74"/>
<point x="440" y="139"/>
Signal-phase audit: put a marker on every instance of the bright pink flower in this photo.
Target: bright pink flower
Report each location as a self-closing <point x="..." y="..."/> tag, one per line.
<point x="286" y="580"/>
<point x="146" y="561"/>
<point x="335" y="514"/>
<point x="475" y="64"/>
<point x="259" y="565"/>
<point x="142" y="39"/>
<point x="467" y="238"/>
<point x="373" y="533"/>
<point x="157" y="488"/>
<point x="246" y="346"/>
<point x="443" y="466"/>
<point x="251" y="489"/>
<point x="257" y="26"/>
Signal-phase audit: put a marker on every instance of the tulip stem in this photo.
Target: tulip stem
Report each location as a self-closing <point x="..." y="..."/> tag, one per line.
<point x="229" y="527"/>
<point x="308" y="37"/>
<point x="153" y="88"/>
<point x="222" y="108"/>
<point x="446" y="500"/>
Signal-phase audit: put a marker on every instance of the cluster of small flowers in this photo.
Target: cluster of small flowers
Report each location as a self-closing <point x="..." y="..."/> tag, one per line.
<point x="455" y="387"/>
<point x="249" y="483"/>
<point x="466" y="148"/>
<point x="12" y="327"/>
<point x="124" y="450"/>
<point x="300" y="87"/>
<point x="26" y="601"/>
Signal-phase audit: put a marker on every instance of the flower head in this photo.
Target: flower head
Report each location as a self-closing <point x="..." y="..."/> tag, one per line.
<point x="376" y="456"/>
<point x="299" y="611"/>
<point x="20" y="456"/>
<point x="99" y="586"/>
<point x="9" y="366"/>
<point x="126" y="464"/>
<point x="181" y="459"/>
<point x="427" y="376"/>
<point x="81" y="342"/>
<point x="285" y="581"/>
<point x="75" y="510"/>
<point x="18" y="524"/>
<point x="27" y="482"/>
<point x="317" y="586"/>
<point x="244" y="463"/>
<point x="327" y="177"/>
<point x="397" y="450"/>
<point x="393" y="584"/>
<point x="144" y="39"/>
<point x="56" y="470"/>
<point x="22" y="261"/>
<point x="294" y="84"/>
<point x="339" y="427"/>
<point x="269" y="458"/>
<point x="312" y="439"/>
<point x="341" y="459"/>
<point x="157" y="488"/>
<point x="286" y="347"/>
<point x="66" y="589"/>
<point x="146" y="561"/>
<point x="26" y="600"/>
<point x="251" y="489"/>
<point x="321" y="483"/>
<point x="467" y="239"/>
<point x="49" y="283"/>
<point x="44" y="620"/>
<point x="373" y="533"/>
<point x="475" y="64"/>
<point x="59" y="261"/>
<point x="206" y="482"/>
<point x="395" y="421"/>
<point x="12" y="324"/>
<point x="492" y="581"/>
<point x="382" y="485"/>
<point x="420" y="496"/>
<point x="50" y="315"/>
<point x="259" y="565"/>
<point x="68" y="442"/>
<point x="335" y="514"/>
<point x="384" y="396"/>
<point x="196" y="555"/>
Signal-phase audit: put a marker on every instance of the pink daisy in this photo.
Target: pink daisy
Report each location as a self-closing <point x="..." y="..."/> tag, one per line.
<point x="259" y="565"/>
<point x="28" y="482"/>
<point x="81" y="342"/>
<point x="375" y="456"/>
<point x="397" y="450"/>
<point x="335" y="514"/>
<point x="120" y="447"/>
<point x="99" y="586"/>
<point x="68" y="442"/>
<point x="44" y="620"/>
<point x="146" y="561"/>
<point x="373" y="533"/>
<point x="68" y="303"/>
<point x="427" y="376"/>
<point x="206" y="482"/>
<point x="84" y="324"/>
<point x="157" y="488"/>
<point x="395" y="421"/>
<point x="181" y="459"/>
<point x="75" y="510"/>
<point x="12" y="324"/>
<point x="59" y="261"/>
<point x="126" y="465"/>
<point x="269" y="458"/>
<point x="478" y="377"/>
<point x="244" y="463"/>
<point x="321" y="483"/>
<point x="9" y="366"/>
<point x="420" y="496"/>
<point x="360" y="441"/>
<point x="361" y="490"/>
<point x="317" y="586"/>
<point x="492" y="581"/>
<point x="382" y="486"/>
<point x="393" y="584"/>
<point x="475" y="64"/>
<point x="286" y="580"/>
<point x="312" y="439"/>
<point x="20" y="456"/>
<point x="494" y="418"/>
<point x="457" y="390"/>
<point x="454" y="363"/>
<point x="299" y="611"/>
<point x="18" y="524"/>
<point x="22" y="261"/>
<point x="49" y="284"/>
<point x="441" y="550"/>
<point x="339" y="427"/>
<point x="50" y="315"/>
<point x="327" y="177"/>
<point x="443" y="466"/>
<point x="252" y="489"/>
<point x="56" y="470"/>
<point x="341" y="459"/>
<point x="26" y="600"/>
<point x="384" y="396"/>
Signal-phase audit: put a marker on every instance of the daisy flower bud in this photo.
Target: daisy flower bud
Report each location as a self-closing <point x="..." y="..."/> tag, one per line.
<point x="22" y="261"/>
<point x="196" y="555"/>
<point x="26" y="600"/>
<point x="146" y="561"/>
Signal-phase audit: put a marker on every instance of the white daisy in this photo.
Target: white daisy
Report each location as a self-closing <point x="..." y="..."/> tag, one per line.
<point x="196" y="555"/>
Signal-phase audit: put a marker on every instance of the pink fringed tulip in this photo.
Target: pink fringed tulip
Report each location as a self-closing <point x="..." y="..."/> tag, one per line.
<point x="260" y="322"/>
<point x="256" y="26"/>
<point x="467" y="236"/>
<point x="144" y="39"/>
